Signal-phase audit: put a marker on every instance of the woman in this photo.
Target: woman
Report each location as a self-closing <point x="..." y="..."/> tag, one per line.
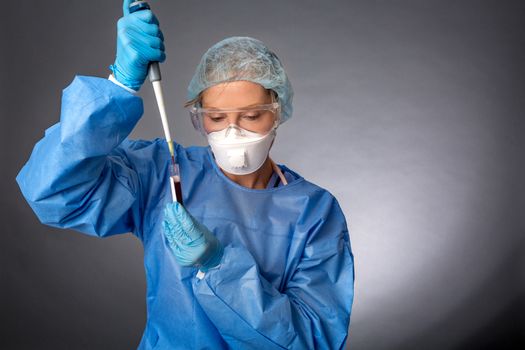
<point x="258" y="257"/>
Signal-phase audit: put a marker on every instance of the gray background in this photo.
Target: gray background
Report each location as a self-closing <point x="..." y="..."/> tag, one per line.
<point x="410" y="112"/>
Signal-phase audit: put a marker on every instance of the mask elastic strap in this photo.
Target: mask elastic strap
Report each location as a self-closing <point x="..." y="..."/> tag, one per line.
<point x="279" y="172"/>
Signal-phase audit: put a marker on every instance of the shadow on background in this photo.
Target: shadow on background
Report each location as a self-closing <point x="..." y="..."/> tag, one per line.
<point x="504" y="330"/>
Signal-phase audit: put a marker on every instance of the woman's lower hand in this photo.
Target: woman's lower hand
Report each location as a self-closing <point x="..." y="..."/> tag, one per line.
<point x="190" y="241"/>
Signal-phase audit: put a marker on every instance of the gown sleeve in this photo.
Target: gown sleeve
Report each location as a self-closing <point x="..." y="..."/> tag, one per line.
<point x="78" y="175"/>
<point x="313" y="310"/>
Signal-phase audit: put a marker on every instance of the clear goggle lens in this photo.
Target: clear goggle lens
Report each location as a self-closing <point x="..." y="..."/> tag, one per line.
<point x="259" y="119"/>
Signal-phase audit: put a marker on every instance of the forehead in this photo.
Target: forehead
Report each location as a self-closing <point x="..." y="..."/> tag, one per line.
<point x="235" y="94"/>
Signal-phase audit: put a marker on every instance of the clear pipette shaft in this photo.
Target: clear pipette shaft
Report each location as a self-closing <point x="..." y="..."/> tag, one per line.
<point x="155" y="78"/>
<point x="176" y="192"/>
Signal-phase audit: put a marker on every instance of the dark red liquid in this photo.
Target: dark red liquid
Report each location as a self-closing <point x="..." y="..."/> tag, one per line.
<point x="178" y="190"/>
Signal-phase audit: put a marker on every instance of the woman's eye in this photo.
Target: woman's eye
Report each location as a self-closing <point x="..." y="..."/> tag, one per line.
<point x="252" y="116"/>
<point x="216" y="118"/>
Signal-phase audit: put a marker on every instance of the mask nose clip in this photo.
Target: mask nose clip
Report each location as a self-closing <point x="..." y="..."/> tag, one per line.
<point x="234" y="129"/>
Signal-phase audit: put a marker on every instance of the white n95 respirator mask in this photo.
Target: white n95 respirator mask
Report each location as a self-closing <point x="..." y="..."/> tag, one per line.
<point x="239" y="151"/>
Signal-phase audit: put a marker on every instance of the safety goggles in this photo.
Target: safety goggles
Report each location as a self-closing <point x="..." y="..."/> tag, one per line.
<point x="260" y="119"/>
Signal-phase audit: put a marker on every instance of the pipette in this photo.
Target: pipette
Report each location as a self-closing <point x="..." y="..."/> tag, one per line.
<point x="155" y="78"/>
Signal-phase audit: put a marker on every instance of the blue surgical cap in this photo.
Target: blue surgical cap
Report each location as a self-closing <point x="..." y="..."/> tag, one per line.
<point x="243" y="58"/>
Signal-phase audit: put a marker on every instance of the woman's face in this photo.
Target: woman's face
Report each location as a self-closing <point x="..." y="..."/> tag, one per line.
<point x="237" y="95"/>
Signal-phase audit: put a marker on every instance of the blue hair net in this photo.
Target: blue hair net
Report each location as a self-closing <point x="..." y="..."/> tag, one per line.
<point x="243" y="58"/>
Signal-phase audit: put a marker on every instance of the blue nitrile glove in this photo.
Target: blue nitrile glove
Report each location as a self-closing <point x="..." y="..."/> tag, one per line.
<point x="139" y="42"/>
<point x="190" y="241"/>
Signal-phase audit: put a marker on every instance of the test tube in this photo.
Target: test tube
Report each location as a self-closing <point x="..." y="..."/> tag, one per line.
<point x="176" y="189"/>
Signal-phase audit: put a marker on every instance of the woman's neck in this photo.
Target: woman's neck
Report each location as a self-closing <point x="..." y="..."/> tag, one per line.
<point x="256" y="180"/>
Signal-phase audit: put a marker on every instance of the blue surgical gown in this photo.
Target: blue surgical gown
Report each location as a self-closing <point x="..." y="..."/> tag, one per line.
<point x="286" y="278"/>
